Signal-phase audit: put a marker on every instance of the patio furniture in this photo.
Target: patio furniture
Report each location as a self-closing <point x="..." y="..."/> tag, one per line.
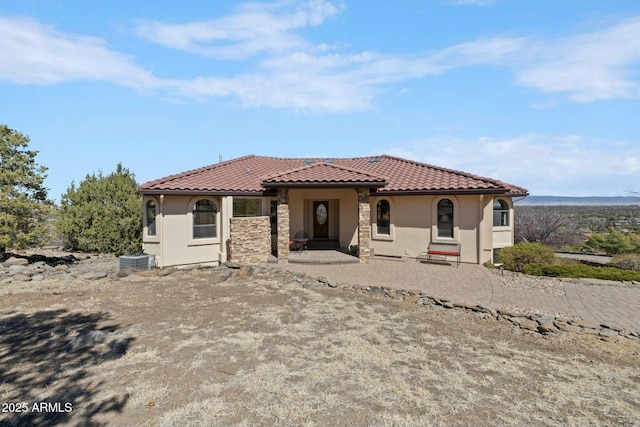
<point x="300" y="241"/>
<point x="441" y="250"/>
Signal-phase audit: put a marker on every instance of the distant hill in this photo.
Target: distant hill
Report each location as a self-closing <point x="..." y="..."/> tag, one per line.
<point x="578" y="201"/>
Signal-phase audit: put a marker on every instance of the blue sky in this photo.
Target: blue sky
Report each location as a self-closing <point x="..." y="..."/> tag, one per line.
<point x="542" y="94"/>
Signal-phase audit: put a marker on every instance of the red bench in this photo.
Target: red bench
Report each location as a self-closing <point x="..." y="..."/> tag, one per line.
<point x="442" y="249"/>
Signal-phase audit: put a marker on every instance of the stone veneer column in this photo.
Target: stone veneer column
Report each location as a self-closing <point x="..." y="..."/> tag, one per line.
<point x="283" y="226"/>
<point x="364" y="225"/>
<point x="250" y="241"/>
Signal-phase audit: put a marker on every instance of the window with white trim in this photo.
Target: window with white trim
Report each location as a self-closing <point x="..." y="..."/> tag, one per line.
<point x="151" y="218"/>
<point x="500" y="213"/>
<point x="204" y="219"/>
<point x="445" y="219"/>
<point x="383" y="217"/>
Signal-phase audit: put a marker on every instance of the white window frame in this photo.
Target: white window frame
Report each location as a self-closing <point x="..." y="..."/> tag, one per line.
<point x="456" y="219"/>
<point x="374" y="220"/>
<point x="508" y="212"/>
<point x="206" y="240"/>
<point x="151" y="238"/>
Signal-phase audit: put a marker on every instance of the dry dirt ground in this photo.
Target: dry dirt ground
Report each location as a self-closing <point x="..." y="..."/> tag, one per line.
<point x="264" y="347"/>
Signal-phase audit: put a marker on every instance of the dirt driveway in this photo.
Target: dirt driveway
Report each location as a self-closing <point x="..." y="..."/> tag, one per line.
<point x="263" y="346"/>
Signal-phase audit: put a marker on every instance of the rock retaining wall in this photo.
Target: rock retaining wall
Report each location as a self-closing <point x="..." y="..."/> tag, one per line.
<point x="524" y="322"/>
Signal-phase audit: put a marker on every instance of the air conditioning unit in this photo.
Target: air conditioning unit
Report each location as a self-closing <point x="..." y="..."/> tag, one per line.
<point x="137" y="262"/>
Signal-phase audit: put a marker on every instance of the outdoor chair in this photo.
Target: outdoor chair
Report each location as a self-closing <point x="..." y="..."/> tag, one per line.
<point x="300" y="241"/>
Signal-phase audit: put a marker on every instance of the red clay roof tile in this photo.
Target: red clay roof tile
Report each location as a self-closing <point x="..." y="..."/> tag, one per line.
<point x="325" y="173"/>
<point x="254" y="174"/>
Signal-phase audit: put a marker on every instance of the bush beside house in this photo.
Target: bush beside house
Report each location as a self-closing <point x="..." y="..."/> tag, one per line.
<point x="102" y="214"/>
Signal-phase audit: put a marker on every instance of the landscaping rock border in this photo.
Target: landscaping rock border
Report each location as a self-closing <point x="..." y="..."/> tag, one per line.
<point x="534" y="323"/>
<point x="39" y="268"/>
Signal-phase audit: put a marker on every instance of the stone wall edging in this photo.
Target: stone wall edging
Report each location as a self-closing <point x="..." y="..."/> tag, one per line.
<point x="533" y="323"/>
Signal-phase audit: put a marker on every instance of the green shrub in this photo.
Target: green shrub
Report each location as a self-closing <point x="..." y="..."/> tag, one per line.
<point x="627" y="262"/>
<point x="102" y="214"/>
<point x="514" y="258"/>
<point x="580" y="271"/>
<point x="614" y="242"/>
<point x="489" y="264"/>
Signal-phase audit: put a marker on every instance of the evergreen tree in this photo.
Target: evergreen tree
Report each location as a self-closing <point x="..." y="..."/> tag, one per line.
<point x="23" y="197"/>
<point x="613" y="242"/>
<point x="102" y="214"/>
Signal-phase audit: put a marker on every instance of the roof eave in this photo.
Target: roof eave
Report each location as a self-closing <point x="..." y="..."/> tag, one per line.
<point x="517" y="194"/>
<point x="174" y="192"/>
<point x="440" y="192"/>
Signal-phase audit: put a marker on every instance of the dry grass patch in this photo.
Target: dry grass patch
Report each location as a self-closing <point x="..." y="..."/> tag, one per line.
<point x="258" y="350"/>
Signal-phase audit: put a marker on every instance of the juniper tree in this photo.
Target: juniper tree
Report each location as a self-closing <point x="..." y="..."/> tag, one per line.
<point x="23" y="197"/>
<point x="102" y="214"/>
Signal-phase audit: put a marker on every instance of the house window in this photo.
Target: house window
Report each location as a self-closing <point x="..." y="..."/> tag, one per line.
<point x="496" y="255"/>
<point x="204" y="219"/>
<point x="151" y="218"/>
<point x="247" y="207"/>
<point x="445" y="218"/>
<point x="500" y="213"/>
<point x="383" y="217"/>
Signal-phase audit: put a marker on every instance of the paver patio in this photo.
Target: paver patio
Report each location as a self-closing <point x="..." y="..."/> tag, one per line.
<point x="474" y="284"/>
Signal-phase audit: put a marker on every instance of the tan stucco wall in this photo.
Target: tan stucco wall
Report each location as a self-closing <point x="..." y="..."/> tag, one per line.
<point x="413" y="225"/>
<point x="173" y="244"/>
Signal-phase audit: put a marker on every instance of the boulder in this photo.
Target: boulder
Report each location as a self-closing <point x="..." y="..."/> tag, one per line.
<point x="94" y="275"/>
<point x="410" y="300"/>
<point x="546" y="328"/>
<point x="15" y="261"/>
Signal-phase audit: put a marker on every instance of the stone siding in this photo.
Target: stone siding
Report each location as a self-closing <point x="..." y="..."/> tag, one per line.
<point x="283" y="226"/>
<point x="250" y="240"/>
<point x="364" y="225"/>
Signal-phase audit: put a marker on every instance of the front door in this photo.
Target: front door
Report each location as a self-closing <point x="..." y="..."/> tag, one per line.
<point x="321" y="220"/>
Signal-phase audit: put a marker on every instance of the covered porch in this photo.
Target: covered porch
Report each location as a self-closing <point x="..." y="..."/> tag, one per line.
<point x="323" y="207"/>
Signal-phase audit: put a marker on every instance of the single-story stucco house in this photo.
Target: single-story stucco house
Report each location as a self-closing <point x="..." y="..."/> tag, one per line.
<point x="244" y="209"/>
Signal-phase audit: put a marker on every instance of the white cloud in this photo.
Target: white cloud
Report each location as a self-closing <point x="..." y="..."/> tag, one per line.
<point x="338" y="82"/>
<point x="283" y="69"/>
<point x="587" y="67"/>
<point x="33" y="53"/>
<point x="293" y="90"/>
<point x="545" y="164"/>
<point x="254" y="29"/>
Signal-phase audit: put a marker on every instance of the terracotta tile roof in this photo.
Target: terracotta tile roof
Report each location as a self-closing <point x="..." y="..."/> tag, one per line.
<point x="325" y="173"/>
<point x="254" y="174"/>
